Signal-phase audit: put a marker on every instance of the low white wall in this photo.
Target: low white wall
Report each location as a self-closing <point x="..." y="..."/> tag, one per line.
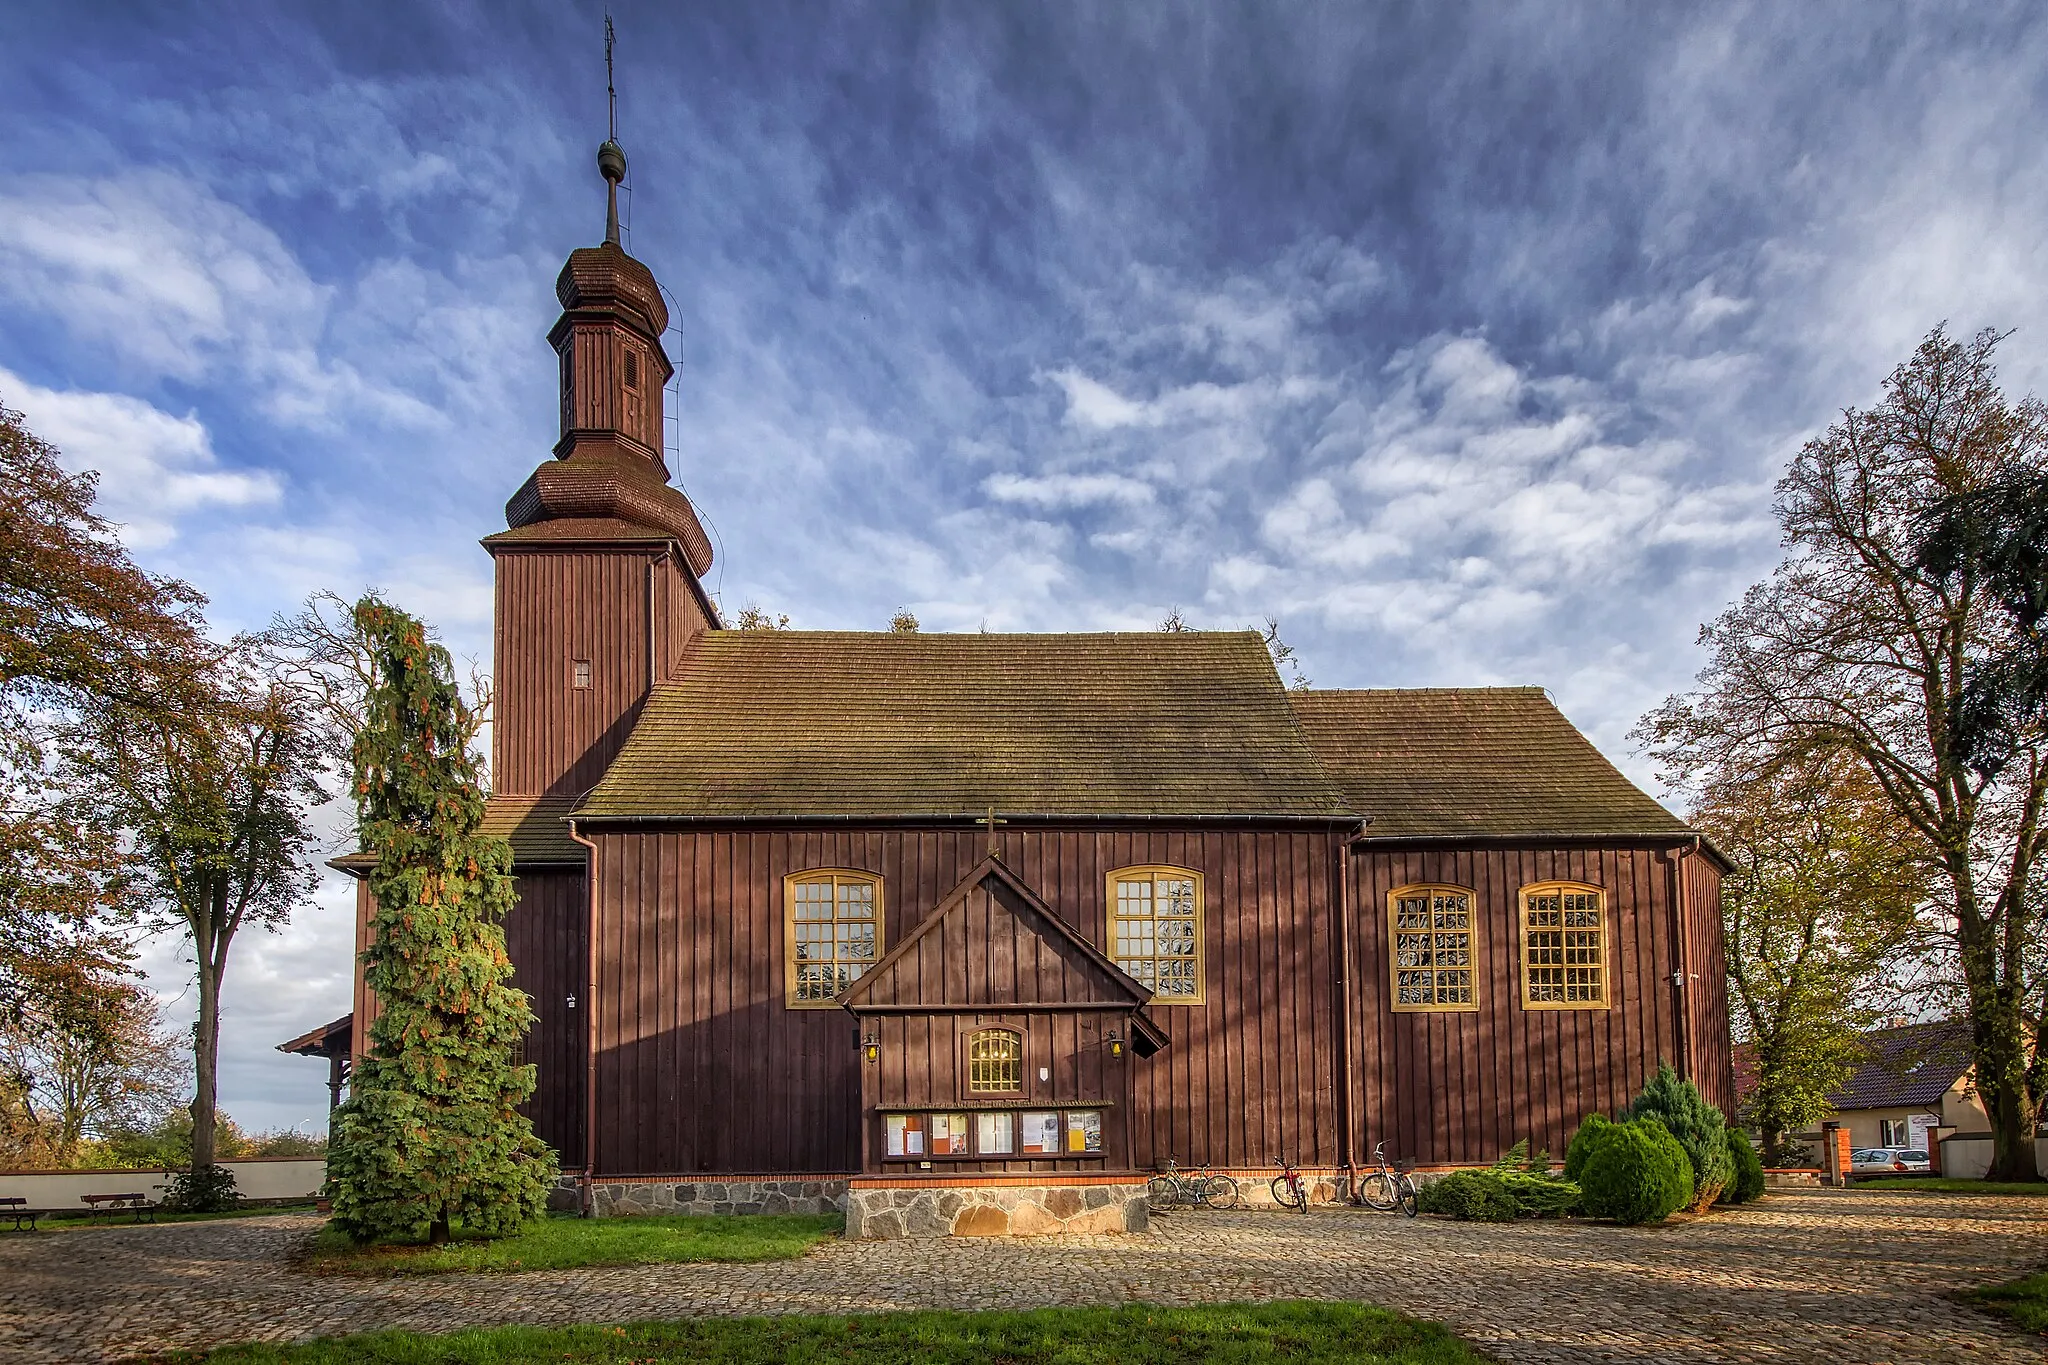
<point x="261" y="1178"/>
<point x="1968" y="1158"/>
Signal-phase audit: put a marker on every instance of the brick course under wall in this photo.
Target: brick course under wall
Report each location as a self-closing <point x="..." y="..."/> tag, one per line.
<point x="875" y="1214"/>
<point x="624" y="1199"/>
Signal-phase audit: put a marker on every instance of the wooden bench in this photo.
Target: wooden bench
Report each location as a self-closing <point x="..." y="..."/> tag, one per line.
<point x="138" y="1204"/>
<point x="15" y="1207"/>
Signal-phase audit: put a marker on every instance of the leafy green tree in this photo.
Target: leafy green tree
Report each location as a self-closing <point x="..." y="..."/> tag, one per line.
<point x="431" y="1132"/>
<point x="1824" y="904"/>
<point x="1864" y="640"/>
<point x="214" y="804"/>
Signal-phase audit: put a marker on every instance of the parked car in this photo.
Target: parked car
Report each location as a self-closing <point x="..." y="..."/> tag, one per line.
<point x="1888" y="1161"/>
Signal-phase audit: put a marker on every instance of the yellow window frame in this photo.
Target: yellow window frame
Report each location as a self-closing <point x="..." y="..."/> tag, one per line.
<point x="1133" y="947"/>
<point x="849" y="890"/>
<point x="1558" y="948"/>
<point x="1441" y="943"/>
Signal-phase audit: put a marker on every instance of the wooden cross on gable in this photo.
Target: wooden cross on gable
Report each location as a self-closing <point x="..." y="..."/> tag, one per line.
<point x="995" y="849"/>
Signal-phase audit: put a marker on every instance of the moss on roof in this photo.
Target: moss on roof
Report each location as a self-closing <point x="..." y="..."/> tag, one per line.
<point x="536" y="827"/>
<point x="768" y="724"/>
<point x="1477" y="761"/>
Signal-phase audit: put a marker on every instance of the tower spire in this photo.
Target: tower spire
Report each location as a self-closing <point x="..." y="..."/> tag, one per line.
<point x="611" y="157"/>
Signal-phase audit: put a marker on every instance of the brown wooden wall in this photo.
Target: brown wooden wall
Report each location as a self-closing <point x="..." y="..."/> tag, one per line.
<point x="702" y="1067"/>
<point x="556" y="605"/>
<point x="1712" y="1053"/>
<point x="922" y="1066"/>
<point x="1464" y="1087"/>
<point x="544" y="935"/>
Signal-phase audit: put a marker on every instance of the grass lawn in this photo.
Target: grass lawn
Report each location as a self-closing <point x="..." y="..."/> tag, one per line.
<point x="2024" y="1301"/>
<point x="1942" y="1186"/>
<point x="74" y="1222"/>
<point x="1299" y="1333"/>
<point x="560" y="1243"/>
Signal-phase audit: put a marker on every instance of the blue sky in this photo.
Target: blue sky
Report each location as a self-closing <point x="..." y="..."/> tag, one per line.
<point x="1466" y="341"/>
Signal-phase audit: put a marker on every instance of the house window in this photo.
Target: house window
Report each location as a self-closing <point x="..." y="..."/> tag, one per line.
<point x="1564" y="947"/>
<point x="834" y="933"/>
<point x="995" y="1062"/>
<point x="579" y="675"/>
<point x="1435" y="948"/>
<point x="1156" y="930"/>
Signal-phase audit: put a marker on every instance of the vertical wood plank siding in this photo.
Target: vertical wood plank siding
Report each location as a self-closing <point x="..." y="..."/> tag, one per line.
<point x="1464" y="1087"/>
<point x="1707" y="992"/>
<point x="701" y="1066"/>
<point x="544" y="936"/>
<point x="558" y="605"/>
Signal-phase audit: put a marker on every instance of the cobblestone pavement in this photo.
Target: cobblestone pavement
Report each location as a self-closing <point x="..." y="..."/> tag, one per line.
<point x="1833" y="1277"/>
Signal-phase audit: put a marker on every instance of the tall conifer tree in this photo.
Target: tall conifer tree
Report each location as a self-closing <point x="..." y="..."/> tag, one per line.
<point x="431" y="1132"/>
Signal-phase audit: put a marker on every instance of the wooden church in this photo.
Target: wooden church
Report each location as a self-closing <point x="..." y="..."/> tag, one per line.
<point x="972" y="933"/>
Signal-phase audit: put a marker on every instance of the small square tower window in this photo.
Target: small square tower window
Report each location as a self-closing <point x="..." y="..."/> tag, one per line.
<point x="580" y="672"/>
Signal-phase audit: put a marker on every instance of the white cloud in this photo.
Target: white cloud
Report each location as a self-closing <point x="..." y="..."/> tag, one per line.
<point x="155" y="468"/>
<point x="1054" y="491"/>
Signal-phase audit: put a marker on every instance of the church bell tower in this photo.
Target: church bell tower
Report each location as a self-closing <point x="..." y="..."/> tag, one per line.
<point x="599" y="569"/>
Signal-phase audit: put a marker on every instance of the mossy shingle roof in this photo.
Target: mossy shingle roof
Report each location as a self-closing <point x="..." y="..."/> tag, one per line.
<point x="1476" y="761"/>
<point x="768" y="724"/>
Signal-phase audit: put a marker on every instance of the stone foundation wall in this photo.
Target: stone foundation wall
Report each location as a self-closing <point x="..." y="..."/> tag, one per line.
<point x="623" y="1199"/>
<point x="996" y="1211"/>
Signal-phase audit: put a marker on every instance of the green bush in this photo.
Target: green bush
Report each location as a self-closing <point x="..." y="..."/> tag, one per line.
<point x="1636" y="1172"/>
<point x="1476" y="1196"/>
<point x="203" y="1189"/>
<point x="1582" y="1144"/>
<point x="1698" y="1126"/>
<point x="1748" y="1183"/>
<point x="1541" y="1196"/>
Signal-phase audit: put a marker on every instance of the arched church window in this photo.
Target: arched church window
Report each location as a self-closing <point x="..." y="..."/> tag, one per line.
<point x="1155" y="930"/>
<point x="1435" y="958"/>
<point x="1564" y="947"/>
<point x="833" y="927"/>
<point x="995" y="1062"/>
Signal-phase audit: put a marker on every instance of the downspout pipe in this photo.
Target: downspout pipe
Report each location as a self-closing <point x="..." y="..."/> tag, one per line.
<point x="1346" y="1075"/>
<point x="589" y="1199"/>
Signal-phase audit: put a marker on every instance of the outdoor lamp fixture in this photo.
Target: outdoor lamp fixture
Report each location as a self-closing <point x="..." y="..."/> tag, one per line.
<point x="1116" y="1045"/>
<point x="871" y="1047"/>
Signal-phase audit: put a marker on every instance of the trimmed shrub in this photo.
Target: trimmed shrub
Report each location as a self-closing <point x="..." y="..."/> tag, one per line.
<point x="1540" y="1196"/>
<point x="1748" y="1182"/>
<point x="1636" y="1172"/>
<point x="1476" y="1196"/>
<point x="1698" y="1126"/>
<point x="1582" y="1144"/>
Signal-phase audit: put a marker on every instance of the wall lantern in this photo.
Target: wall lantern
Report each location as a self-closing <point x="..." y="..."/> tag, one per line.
<point x="1116" y="1045"/>
<point x="871" y="1047"/>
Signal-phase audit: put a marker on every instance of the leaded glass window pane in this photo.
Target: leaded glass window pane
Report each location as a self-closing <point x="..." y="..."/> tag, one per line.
<point x="1156" y="931"/>
<point x="834" y="933"/>
<point x="1564" y="947"/>
<point x="1434" y="949"/>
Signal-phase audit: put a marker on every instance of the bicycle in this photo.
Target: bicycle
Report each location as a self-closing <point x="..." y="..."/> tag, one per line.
<point x="1289" y="1190"/>
<point x="1386" y="1189"/>
<point x="1197" y="1189"/>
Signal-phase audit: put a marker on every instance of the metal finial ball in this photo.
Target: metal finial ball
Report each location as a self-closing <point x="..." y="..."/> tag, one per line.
<point x="611" y="161"/>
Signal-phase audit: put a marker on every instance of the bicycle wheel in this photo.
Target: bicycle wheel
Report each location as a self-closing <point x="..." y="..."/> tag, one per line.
<point x="1162" y="1192"/>
<point x="1376" y="1191"/>
<point x="1289" y="1194"/>
<point x="1405" y="1195"/>
<point x="1222" y="1192"/>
